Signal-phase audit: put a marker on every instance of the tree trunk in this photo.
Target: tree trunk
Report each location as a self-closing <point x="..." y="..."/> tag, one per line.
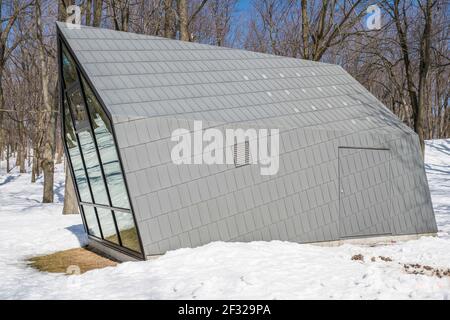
<point x="20" y="159"/>
<point x="88" y="12"/>
<point x="98" y="9"/>
<point x="30" y="155"/>
<point x="8" y="154"/>
<point x="125" y="18"/>
<point x="49" y="138"/>
<point x="21" y="164"/>
<point x="48" y="168"/>
<point x="62" y="8"/>
<point x="58" y="143"/>
<point x="424" y="67"/>
<point x="2" y="105"/>
<point x="183" y="20"/>
<point x="305" y="29"/>
<point x="34" y="168"/>
<point x="169" y="20"/>
<point x="59" y="151"/>
<point x="70" y="200"/>
<point x="38" y="165"/>
<point x="22" y="149"/>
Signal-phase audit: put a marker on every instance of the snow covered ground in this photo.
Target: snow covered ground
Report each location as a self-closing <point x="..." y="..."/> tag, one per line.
<point x="258" y="270"/>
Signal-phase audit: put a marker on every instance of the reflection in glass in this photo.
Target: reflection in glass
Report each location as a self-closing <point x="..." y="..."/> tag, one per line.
<point x="127" y="230"/>
<point x="84" y="122"/>
<point x="107" y="149"/>
<point x="107" y="225"/>
<point x="93" y="168"/>
<point x="78" y="110"/>
<point x="69" y="69"/>
<point x="91" y="221"/>
<point x="75" y="157"/>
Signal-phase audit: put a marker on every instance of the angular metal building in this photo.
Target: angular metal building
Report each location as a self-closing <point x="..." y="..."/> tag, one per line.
<point x="348" y="167"/>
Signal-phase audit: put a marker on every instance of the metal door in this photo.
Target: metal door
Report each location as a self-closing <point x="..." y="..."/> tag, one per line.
<point x="364" y="192"/>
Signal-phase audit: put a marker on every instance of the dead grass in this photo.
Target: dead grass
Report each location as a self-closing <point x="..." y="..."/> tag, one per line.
<point x="73" y="261"/>
<point x="129" y="239"/>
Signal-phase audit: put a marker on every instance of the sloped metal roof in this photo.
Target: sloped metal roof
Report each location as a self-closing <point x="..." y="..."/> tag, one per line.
<point x="140" y="76"/>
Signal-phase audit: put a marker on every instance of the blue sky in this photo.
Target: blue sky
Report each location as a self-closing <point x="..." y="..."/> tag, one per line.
<point x="243" y="5"/>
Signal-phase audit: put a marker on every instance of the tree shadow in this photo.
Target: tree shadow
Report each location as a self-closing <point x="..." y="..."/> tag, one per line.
<point x="440" y="147"/>
<point x="8" y="179"/>
<point x="434" y="169"/>
<point x="59" y="192"/>
<point x="80" y="233"/>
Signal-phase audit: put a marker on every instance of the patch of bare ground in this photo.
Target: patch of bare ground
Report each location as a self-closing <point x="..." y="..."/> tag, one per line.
<point x="409" y="267"/>
<point x="385" y="259"/>
<point x="358" y="257"/>
<point x="72" y="261"/>
<point x="426" y="270"/>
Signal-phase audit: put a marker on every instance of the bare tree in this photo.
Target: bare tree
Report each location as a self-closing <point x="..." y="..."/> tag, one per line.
<point x="183" y="20"/>
<point x="169" y="19"/>
<point x="98" y="9"/>
<point x="48" y="119"/>
<point x="7" y="46"/>
<point x="120" y="14"/>
<point x="416" y="81"/>
<point x="221" y="13"/>
<point x="70" y="200"/>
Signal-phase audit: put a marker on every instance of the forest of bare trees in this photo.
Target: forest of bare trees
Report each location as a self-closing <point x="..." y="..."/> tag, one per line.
<point x="405" y="64"/>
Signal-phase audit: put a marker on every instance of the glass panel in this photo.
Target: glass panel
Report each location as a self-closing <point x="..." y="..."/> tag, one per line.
<point x="91" y="221"/>
<point x="88" y="148"/>
<point x="78" y="110"/>
<point x="107" y="149"/>
<point x="93" y="168"/>
<point x="75" y="157"/>
<point x="107" y="224"/>
<point x="127" y="230"/>
<point x="69" y="69"/>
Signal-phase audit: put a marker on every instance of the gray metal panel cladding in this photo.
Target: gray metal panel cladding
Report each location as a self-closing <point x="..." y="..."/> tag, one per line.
<point x="152" y="86"/>
<point x="147" y="76"/>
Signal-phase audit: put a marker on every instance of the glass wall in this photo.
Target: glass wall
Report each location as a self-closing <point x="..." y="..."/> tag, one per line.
<point x="93" y="156"/>
<point x="105" y="216"/>
<point x="69" y="69"/>
<point x="107" y="150"/>
<point x="75" y="157"/>
<point x="91" y="221"/>
<point x="127" y="230"/>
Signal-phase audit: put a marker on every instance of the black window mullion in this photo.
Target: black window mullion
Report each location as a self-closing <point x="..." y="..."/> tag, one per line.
<point x="79" y="146"/>
<point x="94" y="138"/>
<point x="63" y="122"/>
<point x="106" y="207"/>
<point x="83" y="163"/>
<point x="66" y="96"/>
<point x="98" y="221"/>
<point x="73" y="87"/>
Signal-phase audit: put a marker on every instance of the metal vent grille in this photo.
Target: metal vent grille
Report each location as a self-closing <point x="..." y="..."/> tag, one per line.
<point x="241" y="154"/>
